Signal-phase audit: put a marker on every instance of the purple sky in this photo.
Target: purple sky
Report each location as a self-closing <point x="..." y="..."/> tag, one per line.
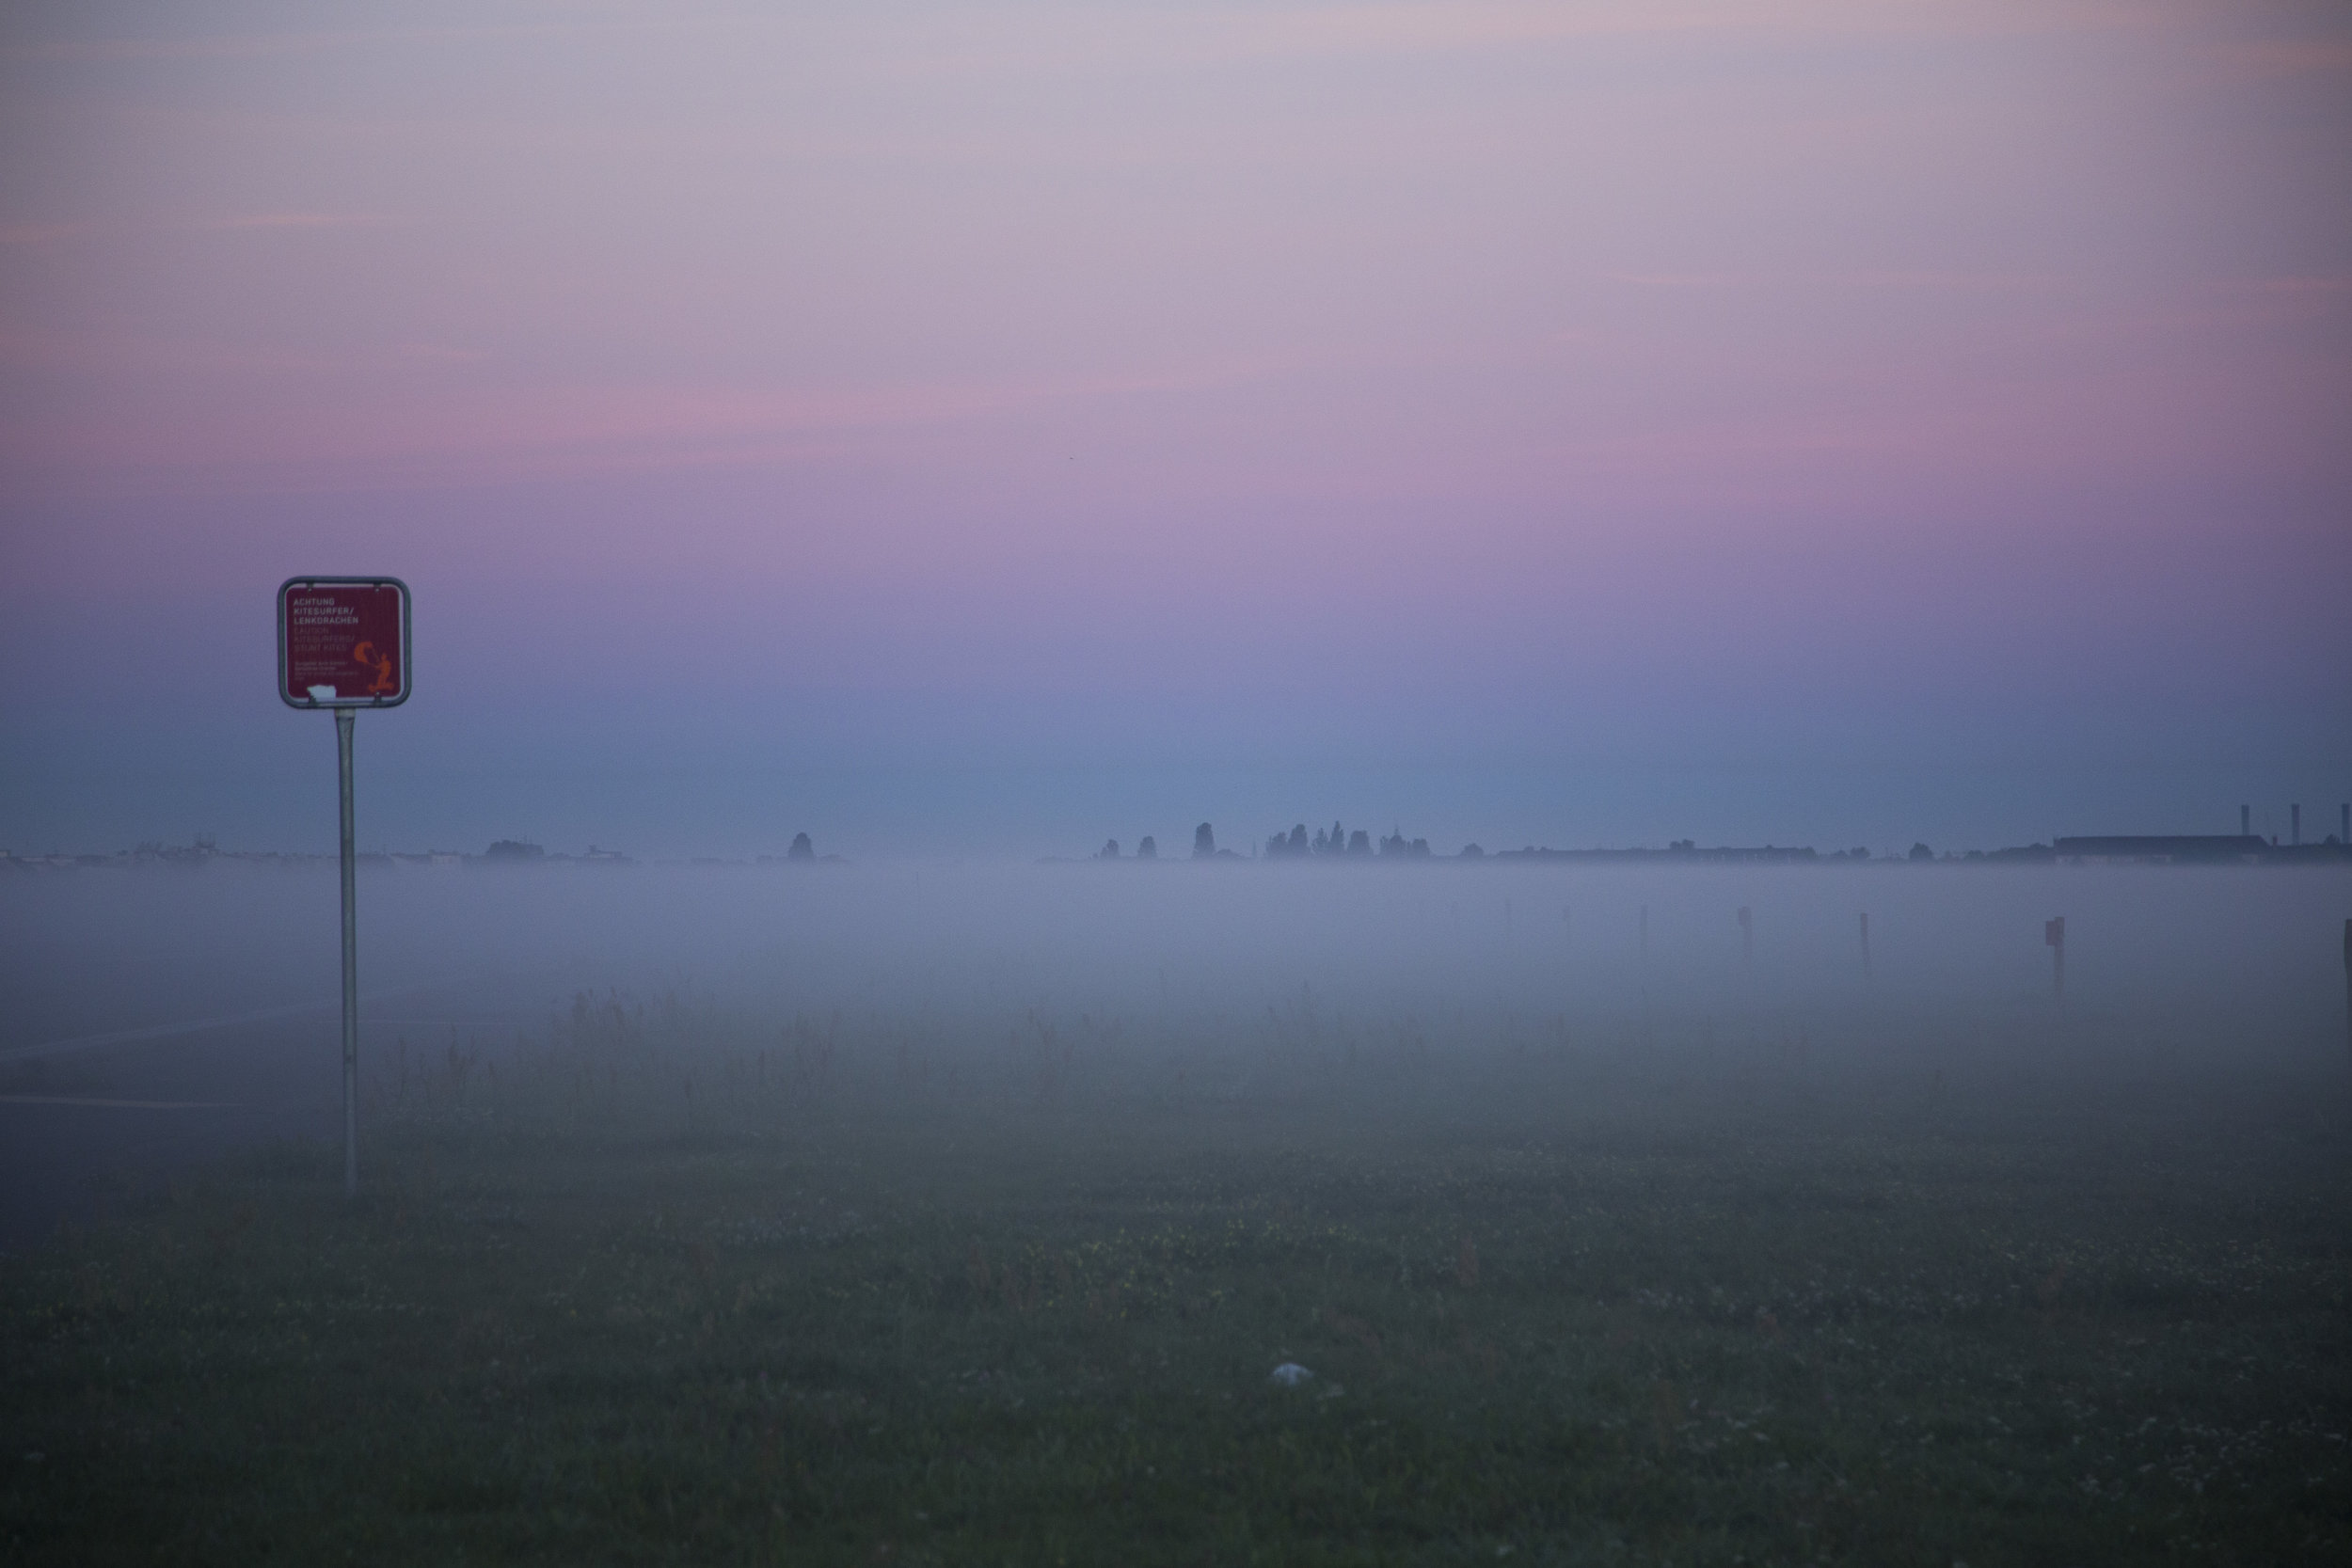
<point x="975" y="427"/>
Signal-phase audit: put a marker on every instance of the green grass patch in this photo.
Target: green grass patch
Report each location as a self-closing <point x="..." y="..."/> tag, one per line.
<point x="613" y="1303"/>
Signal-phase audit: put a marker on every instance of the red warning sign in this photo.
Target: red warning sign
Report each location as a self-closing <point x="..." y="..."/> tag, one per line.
<point x="343" y="641"/>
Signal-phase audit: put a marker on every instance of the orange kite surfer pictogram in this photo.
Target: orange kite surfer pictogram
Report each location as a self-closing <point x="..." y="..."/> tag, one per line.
<point x="365" y="653"/>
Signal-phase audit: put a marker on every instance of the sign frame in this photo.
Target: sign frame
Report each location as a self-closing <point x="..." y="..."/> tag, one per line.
<point x="407" y="643"/>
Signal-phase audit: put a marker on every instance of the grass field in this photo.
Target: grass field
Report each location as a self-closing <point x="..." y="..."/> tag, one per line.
<point x="659" y="1284"/>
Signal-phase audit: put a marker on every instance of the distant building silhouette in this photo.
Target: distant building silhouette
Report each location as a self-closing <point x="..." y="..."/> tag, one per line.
<point x="1203" y="843"/>
<point x="2161" y="850"/>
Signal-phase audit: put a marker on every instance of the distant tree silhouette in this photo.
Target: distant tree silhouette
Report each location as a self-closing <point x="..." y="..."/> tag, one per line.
<point x="1471" y="852"/>
<point x="513" y="850"/>
<point x="1203" y="843"/>
<point x="1337" y="839"/>
<point x="1148" y="849"/>
<point x="1921" y="852"/>
<point x="1109" y="850"/>
<point x="801" y="849"/>
<point x="1293" y="843"/>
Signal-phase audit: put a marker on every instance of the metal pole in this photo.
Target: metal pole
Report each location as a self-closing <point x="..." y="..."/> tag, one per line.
<point x="350" y="961"/>
<point x="1644" y="973"/>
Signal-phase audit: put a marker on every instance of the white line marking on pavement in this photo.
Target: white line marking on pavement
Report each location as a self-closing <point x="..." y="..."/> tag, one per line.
<point x="161" y="1031"/>
<point x="119" y="1105"/>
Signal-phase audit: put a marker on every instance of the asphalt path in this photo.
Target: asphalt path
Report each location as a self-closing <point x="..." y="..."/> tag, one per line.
<point x="94" y="1124"/>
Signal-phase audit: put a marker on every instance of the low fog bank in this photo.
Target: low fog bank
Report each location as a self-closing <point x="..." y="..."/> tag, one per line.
<point x="151" y="1020"/>
<point x="2238" y="968"/>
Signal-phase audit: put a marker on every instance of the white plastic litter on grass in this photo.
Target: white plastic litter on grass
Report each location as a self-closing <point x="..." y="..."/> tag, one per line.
<point x="1290" y="1374"/>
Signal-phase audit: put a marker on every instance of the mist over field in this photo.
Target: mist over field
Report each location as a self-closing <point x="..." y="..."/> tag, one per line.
<point x="1427" y="1212"/>
<point x="1233" y="979"/>
<point x="2230" y="964"/>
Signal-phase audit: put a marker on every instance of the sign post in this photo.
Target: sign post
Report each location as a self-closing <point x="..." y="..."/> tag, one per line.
<point x="343" y="644"/>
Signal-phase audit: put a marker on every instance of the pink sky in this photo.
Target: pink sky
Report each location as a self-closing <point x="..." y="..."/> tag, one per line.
<point x="1451" y="367"/>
